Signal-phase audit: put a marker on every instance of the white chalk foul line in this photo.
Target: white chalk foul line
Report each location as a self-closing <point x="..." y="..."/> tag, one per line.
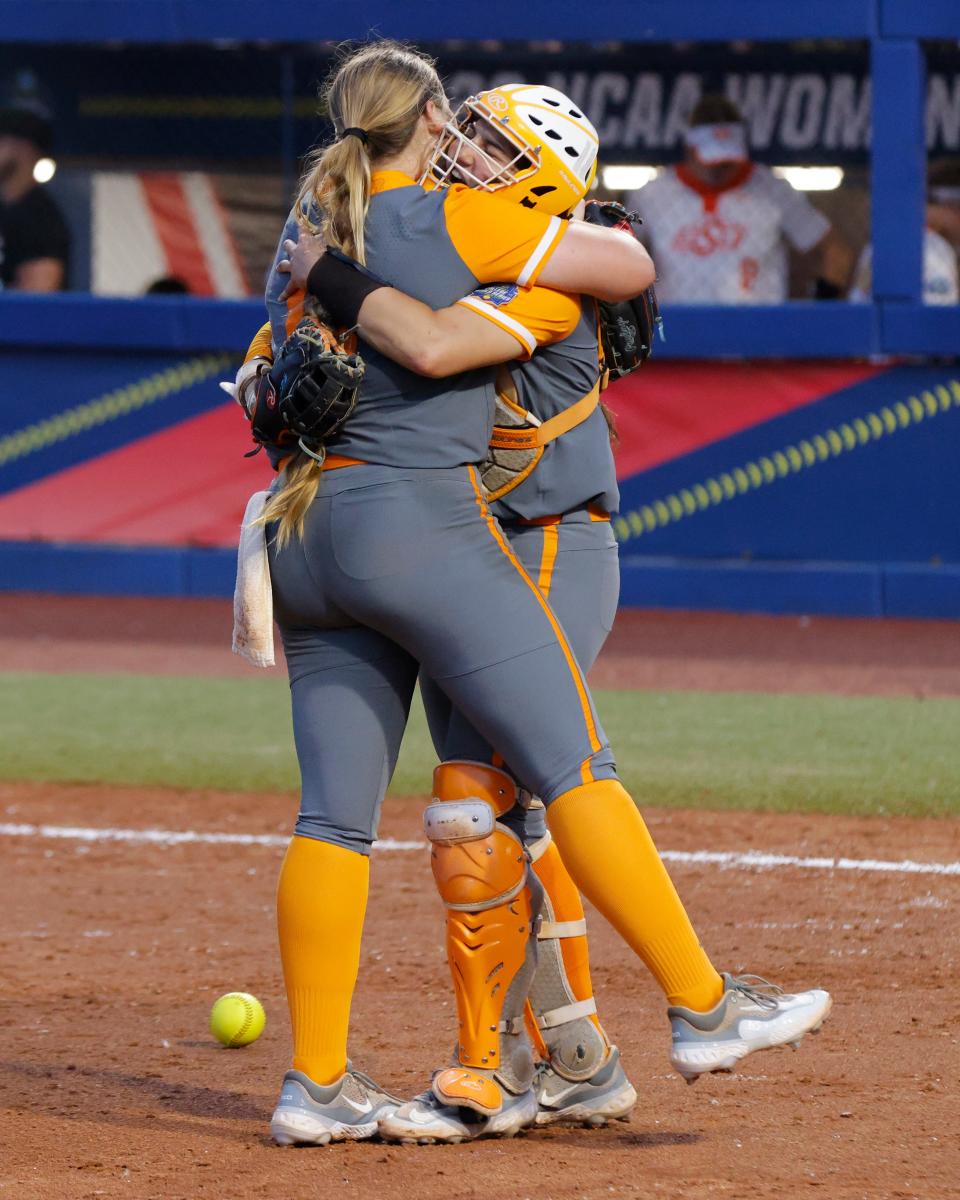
<point x="172" y="837"/>
<point x="749" y="860"/>
<point x="758" y="859"/>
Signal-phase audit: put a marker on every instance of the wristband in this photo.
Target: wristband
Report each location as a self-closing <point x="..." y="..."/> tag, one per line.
<point x="341" y="287"/>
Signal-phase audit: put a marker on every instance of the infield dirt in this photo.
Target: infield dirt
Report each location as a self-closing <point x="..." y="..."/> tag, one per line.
<point x="111" y="1086"/>
<point x="112" y="954"/>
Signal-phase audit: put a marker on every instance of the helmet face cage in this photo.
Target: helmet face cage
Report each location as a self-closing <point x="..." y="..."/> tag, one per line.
<point x="544" y="152"/>
<point x="445" y="166"/>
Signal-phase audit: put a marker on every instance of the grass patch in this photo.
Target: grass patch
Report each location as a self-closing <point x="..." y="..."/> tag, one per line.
<point x="834" y="754"/>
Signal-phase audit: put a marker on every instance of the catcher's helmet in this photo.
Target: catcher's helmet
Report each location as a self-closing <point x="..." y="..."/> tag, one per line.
<point x="550" y="145"/>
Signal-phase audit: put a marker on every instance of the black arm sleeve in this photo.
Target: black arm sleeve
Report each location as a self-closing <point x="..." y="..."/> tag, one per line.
<point x="340" y="286"/>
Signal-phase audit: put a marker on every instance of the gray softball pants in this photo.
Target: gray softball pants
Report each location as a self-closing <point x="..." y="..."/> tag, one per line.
<point x="576" y="565"/>
<point x="401" y="570"/>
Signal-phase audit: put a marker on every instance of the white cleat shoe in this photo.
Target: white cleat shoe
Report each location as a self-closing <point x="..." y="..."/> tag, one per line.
<point x="308" y="1114"/>
<point x="608" y="1095"/>
<point x="751" y="1015"/>
<point x="425" y="1119"/>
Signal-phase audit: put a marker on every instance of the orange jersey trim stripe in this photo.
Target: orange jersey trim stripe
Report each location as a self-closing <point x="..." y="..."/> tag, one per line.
<point x="504" y="321"/>
<point x="541" y="254"/>
<point x="548" y="557"/>
<point x="585" y="772"/>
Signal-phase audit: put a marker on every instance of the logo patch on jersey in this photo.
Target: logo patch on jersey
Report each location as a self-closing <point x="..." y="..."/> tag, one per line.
<point x="497" y="294"/>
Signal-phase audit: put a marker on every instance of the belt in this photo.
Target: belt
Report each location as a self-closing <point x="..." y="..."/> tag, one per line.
<point x="330" y="463"/>
<point x="596" y="513"/>
<point x="334" y="461"/>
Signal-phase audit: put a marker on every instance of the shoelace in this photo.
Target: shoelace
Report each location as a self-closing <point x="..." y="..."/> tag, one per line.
<point x="761" y="991"/>
<point x="367" y="1082"/>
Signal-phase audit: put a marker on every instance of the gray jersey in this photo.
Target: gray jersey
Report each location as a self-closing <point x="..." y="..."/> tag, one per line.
<point x="437" y="246"/>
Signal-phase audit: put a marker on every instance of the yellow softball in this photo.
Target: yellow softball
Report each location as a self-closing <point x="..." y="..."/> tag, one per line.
<point x="237" y="1019"/>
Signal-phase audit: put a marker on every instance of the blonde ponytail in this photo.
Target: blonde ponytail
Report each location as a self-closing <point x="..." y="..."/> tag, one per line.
<point x="382" y="90"/>
<point x="301" y="479"/>
<point x="338" y="186"/>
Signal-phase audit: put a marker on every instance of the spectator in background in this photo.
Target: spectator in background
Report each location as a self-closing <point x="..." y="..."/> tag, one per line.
<point x="34" y="239"/>
<point x="168" y="285"/>
<point x="941" y="240"/>
<point x="717" y="225"/>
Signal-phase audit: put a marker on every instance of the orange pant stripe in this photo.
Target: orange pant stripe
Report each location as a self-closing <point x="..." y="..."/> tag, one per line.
<point x="585" y="772"/>
<point x="548" y="557"/>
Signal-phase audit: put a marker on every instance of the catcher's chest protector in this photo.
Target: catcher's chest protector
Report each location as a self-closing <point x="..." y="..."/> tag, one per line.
<point x="482" y="874"/>
<point x="519" y="438"/>
<point x="565" y="472"/>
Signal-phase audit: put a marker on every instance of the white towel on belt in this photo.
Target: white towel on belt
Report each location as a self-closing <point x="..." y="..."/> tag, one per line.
<point x="253" y="596"/>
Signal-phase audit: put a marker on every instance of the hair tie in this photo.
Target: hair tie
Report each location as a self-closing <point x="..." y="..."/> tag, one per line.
<point x="355" y="131"/>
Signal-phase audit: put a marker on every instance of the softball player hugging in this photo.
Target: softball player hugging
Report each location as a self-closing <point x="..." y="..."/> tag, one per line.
<point x="396" y="563"/>
<point x="552" y="484"/>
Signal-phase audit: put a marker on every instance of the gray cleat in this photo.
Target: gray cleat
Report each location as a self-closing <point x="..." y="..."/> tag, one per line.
<point x="426" y="1119"/>
<point x="312" y="1115"/>
<point x="751" y="1015"/>
<point x="608" y="1095"/>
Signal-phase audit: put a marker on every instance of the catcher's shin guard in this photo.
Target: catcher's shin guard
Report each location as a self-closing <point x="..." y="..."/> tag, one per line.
<point x="561" y="1003"/>
<point x="493" y="900"/>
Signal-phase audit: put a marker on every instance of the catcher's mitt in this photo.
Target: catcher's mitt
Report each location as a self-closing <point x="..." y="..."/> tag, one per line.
<point x="309" y="392"/>
<point x="627" y="329"/>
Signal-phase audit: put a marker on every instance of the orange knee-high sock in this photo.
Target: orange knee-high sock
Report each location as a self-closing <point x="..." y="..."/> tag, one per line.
<point x="321" y="901"/>
<point x="608" y="850"/>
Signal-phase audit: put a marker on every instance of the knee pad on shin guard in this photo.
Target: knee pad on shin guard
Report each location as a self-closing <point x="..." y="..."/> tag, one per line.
<point x="561" y="996"/>
<point x="492" y="900"/>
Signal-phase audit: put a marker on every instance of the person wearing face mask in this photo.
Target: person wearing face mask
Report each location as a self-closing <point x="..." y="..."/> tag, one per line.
<point x="719" y="225"/>
<point x="34" y="239"/>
